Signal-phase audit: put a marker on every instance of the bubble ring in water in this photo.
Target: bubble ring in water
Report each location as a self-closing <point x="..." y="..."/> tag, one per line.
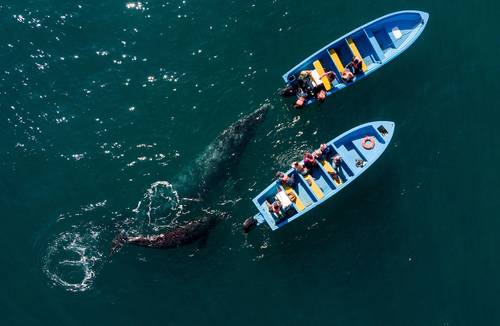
<point x="74" y="252"/>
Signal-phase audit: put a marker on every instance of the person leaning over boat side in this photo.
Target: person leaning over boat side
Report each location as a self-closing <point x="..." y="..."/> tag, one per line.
<point x="288" y="91"/>
<point x="304" y="90"/>
<point x="323" y="152"/>
<point x="300" y="168"/>
<point x="309" y="161"/>
<point x="347" y="75"/>
<point x="318" y="91"/>
<point x="295" y="86"/>
<point x="321" y="91"/>
<point x="321" y="95"/>
<point x="317" y="154"/>
<point x="300" y="102"/>
<point x="285" y="179"/>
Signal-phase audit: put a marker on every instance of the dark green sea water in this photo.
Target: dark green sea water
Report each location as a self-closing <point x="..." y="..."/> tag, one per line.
<point x="102" y="104"/>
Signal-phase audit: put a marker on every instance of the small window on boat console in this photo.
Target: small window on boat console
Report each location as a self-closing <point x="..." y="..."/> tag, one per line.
<point x="396" y="32"/>
<point x="382" y="130"/>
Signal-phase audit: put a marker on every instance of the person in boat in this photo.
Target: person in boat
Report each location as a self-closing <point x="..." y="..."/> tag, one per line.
<point x="320" y="90"/>
<point x="304" y="74"/>
<point x="337" y="161"/>
<point x="288" y="91"/>
<point x="321" y="95"/>
<point x="317" y="154"/>
<point x="351" y="69"/>
<point x="355" y="65"/>
<point x="300" y="168"/>
<point x="285" y="180"/>
<point x="294" y="87"/>
<point x="275" y="208"/>
<point x="300" y="102"/>
<point x="304" y="89"/>
<point x="323" y="152"/>
<point x="310" y="161"/>
<point x="330" y="75"/>
<point x="347" y="76"/>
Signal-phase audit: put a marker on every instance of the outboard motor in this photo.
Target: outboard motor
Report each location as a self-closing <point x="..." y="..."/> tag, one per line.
<point x="249" y="224"/>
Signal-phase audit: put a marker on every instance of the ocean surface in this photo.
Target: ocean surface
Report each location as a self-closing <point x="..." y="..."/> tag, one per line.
<point x="104" y="103"/>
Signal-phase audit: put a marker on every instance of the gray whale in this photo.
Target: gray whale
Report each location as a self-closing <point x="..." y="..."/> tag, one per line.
<point x="216" y="161"/>
<point x="209" y="169"/>
<point x="182" y="235"/>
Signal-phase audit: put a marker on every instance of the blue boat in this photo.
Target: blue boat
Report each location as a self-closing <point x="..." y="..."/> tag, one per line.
<point x="358" y="149"/>
<point x="375" y="43"/>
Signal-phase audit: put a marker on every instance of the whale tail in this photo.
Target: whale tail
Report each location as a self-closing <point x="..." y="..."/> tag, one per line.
<point x="118" y="242"/>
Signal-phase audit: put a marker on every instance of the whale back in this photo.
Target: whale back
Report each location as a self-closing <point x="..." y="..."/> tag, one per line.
<point x="220" y="156"/>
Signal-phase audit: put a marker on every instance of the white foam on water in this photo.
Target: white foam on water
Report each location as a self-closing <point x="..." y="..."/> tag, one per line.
<point x="72" y="257"/>
<point x="161" y="206"/>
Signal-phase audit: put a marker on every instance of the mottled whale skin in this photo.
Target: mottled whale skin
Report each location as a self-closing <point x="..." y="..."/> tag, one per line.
<point x="182" y="235"/>
<point x="222" y="154"/>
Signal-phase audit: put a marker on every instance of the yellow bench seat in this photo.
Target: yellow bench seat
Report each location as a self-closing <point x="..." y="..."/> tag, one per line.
<point x="319" y="68"/>
<point x="298" y="203"/>
<point x="336" y="60"/>
<point x="314" y="187"/>
<point x="329" y="168"/>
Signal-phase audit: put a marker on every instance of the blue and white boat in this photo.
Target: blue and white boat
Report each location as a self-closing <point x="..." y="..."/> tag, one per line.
<point x="375" y="43"/>
<point x="358" y="148"/>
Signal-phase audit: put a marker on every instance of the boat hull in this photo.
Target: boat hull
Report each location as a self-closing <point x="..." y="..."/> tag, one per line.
<point x="327" y="179"/>
<point x="377" y="43"/>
